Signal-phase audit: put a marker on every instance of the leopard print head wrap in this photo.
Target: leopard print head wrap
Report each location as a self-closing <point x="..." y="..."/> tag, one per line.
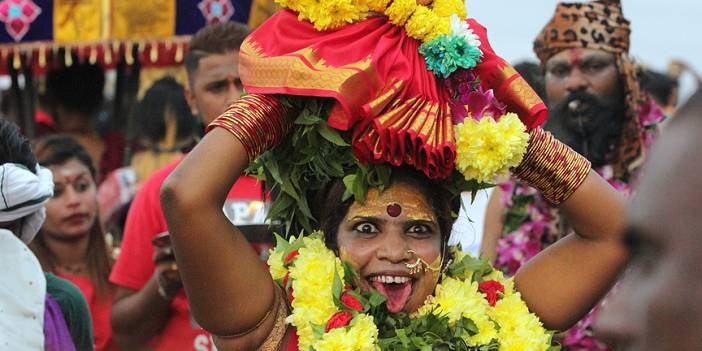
<point x="600" y="25"/>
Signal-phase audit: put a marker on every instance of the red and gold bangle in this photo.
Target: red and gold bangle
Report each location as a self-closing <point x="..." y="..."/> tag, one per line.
<point x="552" y="167"/>
<point x="258" y="121"/>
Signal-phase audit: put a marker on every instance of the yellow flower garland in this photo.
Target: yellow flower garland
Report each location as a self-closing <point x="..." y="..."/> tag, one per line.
<point x="428" y="23"/>
<point x="508" y="322"/>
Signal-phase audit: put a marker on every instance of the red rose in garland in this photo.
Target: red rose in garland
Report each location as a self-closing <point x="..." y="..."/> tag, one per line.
<point x="338" y="320"/>
<point x="491" y="289"/>
<point x="351" y="302"/>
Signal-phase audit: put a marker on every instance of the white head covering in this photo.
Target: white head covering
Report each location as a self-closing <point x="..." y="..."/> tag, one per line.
<point x="23" y="194"/>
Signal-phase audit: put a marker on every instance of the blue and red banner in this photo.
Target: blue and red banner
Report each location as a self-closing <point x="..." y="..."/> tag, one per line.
<point x="39" y="33"/>
<point x="70" y="21"/>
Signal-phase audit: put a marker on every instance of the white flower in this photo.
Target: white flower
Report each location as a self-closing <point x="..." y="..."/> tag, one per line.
<point x="460" y="28"/>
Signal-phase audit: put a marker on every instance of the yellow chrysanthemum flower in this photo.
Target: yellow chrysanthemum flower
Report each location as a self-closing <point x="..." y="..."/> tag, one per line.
<point x="446" y="8"/>
<point x="520" y="330"/>
<point x="362" y="336"/>
<point x="328" y="14"/>
<point x="422" y="23"/>
<point x="275" y="264"/>
<point x="378" y="5"/>
<point x="460" y="298"/>
<point x="441" y="27"/>
<point x="400" y="11"/>
<point x="488" y="148"/>
<point x="313" y="276"/>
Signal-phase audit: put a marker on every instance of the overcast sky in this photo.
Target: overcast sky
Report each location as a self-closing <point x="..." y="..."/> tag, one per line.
<point x="661" y="30"/>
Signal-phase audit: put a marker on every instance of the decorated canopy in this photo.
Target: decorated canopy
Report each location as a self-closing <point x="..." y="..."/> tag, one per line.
<point x="34" y="32"/>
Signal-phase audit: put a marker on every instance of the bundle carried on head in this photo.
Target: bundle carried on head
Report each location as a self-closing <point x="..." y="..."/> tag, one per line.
<point x="379" y="84"/>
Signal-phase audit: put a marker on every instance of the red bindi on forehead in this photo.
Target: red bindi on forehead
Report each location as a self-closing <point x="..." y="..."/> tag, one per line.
<point x="575" y="56"/>
<point x="394" y="210"/>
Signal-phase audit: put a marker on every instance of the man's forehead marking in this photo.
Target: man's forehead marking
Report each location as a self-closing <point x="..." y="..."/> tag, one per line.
<point x="577" y="55"/>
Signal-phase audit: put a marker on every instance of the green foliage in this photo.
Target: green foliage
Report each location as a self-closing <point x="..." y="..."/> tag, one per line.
<point x="470" y="266"/>
<point x="308" y="157"/>
<point x="428" y="333"/>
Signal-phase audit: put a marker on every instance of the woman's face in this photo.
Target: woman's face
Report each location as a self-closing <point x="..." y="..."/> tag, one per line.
<point x="73" y="209"/>
<point x="388" y="231"/>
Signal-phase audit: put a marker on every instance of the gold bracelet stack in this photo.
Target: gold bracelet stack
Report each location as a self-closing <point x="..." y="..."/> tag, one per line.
<point x="258" y="121"/>
<point x="552" y="167"/>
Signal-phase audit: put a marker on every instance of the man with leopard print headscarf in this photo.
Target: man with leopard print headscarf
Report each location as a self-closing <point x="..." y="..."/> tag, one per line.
<point x="597" y="108"/>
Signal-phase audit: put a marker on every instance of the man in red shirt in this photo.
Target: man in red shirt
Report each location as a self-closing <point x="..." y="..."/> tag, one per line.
<point x="150" y="307"/>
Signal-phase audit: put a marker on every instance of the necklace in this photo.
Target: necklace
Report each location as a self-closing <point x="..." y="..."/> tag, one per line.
<point x="474" y="307"/>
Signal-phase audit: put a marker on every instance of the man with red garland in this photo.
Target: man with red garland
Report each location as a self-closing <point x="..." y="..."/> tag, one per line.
<point x="150" y="306"/>
<point x="597" y="108"/>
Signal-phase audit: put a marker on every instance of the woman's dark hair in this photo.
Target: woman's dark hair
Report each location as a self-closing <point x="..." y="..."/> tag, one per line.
<point x="15" y="147"/>
<point x="77" y="88"/>
<point x="166" y="95"/>
<point x="331" y="210"/>
<point x="57" y="150"/>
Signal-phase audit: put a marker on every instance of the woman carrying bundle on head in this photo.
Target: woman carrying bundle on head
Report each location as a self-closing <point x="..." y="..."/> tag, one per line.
<point x="370" y="119"/>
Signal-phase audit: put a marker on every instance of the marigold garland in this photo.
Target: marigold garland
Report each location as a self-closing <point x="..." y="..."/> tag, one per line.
<point x="446" y="8"/>
<point x="400" y="11"/>
<point x="330" y="314"/>
<point x="420" y="22"/>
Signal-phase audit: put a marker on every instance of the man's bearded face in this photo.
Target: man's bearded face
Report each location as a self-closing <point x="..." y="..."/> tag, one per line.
<point x="589" y="124"/>
<point x="586" y="102"/>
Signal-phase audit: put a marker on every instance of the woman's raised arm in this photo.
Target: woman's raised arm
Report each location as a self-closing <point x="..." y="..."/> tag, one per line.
<point x="565" y="281"/>
<point x="230" y="290"/>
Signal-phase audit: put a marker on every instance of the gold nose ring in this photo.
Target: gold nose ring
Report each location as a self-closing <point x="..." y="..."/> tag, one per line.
<point x="415" y="267"/>
<point x="419" y="265"/>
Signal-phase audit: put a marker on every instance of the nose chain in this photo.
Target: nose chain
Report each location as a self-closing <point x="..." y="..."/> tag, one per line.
<point x="420" y="265"/>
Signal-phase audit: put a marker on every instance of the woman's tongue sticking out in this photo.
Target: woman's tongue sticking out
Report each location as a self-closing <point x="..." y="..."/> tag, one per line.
<point x="397" y="294"/>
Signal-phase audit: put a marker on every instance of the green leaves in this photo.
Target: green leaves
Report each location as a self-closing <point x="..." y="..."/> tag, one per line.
<point x="309" y="156"/>
<point x="470" y="266"/>
<point x="331" y="135"/>
<point x="428" y="333"/>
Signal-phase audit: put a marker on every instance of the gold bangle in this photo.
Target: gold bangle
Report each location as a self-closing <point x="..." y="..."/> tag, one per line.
<point x="258" y="121"/>
<point x="552" y="167"/>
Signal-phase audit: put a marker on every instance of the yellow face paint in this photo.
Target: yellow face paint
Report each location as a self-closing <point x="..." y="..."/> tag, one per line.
<point x="394" y="202"/>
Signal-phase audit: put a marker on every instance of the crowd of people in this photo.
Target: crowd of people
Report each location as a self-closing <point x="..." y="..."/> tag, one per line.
<point x="359" y="134"/>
